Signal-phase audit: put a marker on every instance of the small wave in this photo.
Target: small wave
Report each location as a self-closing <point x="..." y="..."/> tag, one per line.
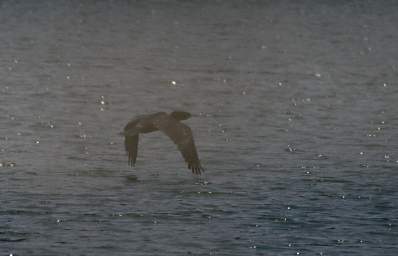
<point x="7" y="164"/>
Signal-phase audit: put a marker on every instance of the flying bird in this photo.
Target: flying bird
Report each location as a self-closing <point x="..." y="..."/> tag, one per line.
<point x="169" y="124"/>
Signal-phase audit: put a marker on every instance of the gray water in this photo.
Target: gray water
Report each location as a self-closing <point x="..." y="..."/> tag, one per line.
<point x="294" y="109"/>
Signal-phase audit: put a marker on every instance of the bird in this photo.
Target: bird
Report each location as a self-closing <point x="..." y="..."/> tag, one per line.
<point x="169" y="124"/>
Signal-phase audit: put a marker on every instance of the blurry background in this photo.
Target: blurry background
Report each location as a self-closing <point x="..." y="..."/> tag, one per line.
<point x="295" y="116"/>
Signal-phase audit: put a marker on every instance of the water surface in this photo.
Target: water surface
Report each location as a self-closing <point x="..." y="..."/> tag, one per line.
<point x="295" y="116"/>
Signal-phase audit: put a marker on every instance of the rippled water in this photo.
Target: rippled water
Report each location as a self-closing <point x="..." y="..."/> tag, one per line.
<point x="295" y="116"/>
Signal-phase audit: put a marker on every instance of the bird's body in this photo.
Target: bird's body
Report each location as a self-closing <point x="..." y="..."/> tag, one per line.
<point x="169" y="124"/>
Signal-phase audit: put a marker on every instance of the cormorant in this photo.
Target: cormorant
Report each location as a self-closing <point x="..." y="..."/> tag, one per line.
<point x="169" y="124"/>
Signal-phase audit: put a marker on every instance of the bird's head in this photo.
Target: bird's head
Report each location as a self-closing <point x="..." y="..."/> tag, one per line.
<point x="180" y="115"/>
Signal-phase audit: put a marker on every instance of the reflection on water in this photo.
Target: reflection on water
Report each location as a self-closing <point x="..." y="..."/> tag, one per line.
<point x="295" y="119"/>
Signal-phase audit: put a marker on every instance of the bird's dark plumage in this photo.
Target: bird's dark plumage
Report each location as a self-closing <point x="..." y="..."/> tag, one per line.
<point x="169" y="124"/>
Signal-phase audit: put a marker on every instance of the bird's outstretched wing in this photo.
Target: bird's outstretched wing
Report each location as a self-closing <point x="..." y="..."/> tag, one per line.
<point x="181" y="135"/>
<point x="131" y="145"/>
